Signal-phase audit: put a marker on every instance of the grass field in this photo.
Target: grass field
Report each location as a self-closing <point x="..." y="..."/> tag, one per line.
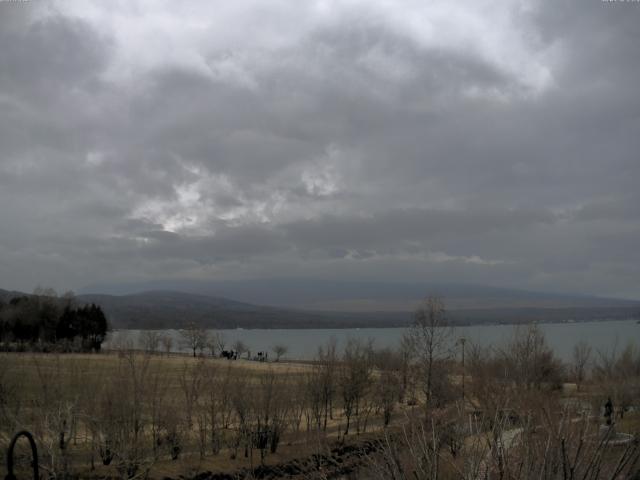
<point x="132" y="401"/>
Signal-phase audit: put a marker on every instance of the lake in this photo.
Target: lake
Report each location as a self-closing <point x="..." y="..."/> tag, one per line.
<point x="303" y="343"/>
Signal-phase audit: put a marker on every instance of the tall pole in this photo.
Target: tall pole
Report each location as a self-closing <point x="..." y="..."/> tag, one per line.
<point x="463" y="341"/>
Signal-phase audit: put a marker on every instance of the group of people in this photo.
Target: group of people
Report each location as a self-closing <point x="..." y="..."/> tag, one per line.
<point x="233" y="355"/>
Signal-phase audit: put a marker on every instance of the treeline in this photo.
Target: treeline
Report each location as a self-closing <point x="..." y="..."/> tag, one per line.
<point x="45" y="322"/>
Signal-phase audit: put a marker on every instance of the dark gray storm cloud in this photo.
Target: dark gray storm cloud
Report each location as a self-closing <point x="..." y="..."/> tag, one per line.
<point x="400" y="141"/>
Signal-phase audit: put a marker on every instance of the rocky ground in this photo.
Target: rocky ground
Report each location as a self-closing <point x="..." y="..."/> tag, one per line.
<point x="341" y="462"/>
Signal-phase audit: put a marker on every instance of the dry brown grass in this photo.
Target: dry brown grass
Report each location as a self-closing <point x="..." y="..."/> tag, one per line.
<point x="30" y="378"/>
<point x="630" y="423"/>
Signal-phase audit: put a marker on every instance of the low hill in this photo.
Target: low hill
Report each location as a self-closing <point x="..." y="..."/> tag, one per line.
<point x="160" y="309"/>
<point x="366" y="296"/>
<point x="170" y="309"/>
<point x="6" y="295"/>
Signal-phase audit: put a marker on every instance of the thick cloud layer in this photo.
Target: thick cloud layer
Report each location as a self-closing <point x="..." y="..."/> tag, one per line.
<point x="431" y="141"/>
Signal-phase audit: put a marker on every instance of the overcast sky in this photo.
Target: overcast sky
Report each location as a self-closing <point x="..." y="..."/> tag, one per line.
<point x="459" y="141"/>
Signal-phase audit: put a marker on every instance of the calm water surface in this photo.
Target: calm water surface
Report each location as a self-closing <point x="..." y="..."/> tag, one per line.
<point x="304" y="343"/>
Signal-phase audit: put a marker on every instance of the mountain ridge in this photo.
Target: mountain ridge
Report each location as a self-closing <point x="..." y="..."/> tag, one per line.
<point x="153" y="309"/>
<point x="363" y="296"/>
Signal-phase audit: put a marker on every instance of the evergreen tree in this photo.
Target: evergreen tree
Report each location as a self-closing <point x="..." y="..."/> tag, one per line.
<point x="46" y="319"/>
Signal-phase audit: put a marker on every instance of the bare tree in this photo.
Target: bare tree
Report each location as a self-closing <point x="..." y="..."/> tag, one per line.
<point x="167" y="343"/>
<point x="7" y="396"/>
<point x="386" y="393"/>
<point x="219" y="340"/>
<point x="628" y="373"/>
<point x="215" y="343"/>
<point x="121" y="417"/>
<point x="326" y="364"/>
<point x="618" y="375"/>
<point x="313" y="398"/>
<point x="549" y="441"/>
<point x="57" y="417"/>
<point x="215" y="390"/>
<point x="405" y="353"/>
<point x="241" y="403"/>
<point x="581" y="358"/>
<point x="530" y="361"/>
<point x="354" y="379"/>
<point x="149" y="341"/>
<point x="488" y="388"/>
<point x="194" y="338"/>
<point x="157" y="386"/>
<point x="430" y="337"/>
<point x="240" y="347"/>
<point x="191" y="380"/>
<point x="280" y="350"/>
<point x="269" y="409"/>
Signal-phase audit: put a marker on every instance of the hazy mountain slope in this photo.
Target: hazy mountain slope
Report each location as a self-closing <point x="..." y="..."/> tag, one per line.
<point x="168" y="309"/>
<point x="6" y="295"/>
<point x="174" y="309"/>
<point x="314" y="294"/>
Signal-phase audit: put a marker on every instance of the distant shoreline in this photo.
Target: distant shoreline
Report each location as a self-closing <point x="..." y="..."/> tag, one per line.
<point x="390" y="327"/>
